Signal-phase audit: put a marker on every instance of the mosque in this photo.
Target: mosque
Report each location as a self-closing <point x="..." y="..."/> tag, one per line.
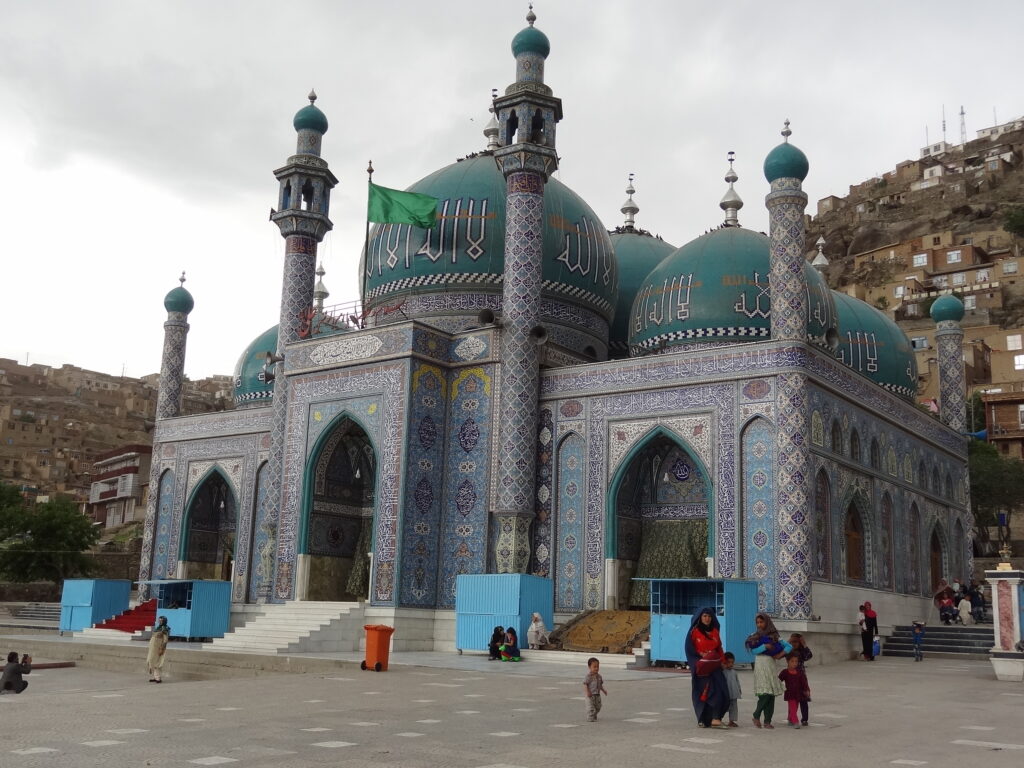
<point x="523" y="391"/>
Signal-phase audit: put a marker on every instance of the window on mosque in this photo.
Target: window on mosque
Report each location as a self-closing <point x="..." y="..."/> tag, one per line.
<point x="1009" y="267"/>
<point x="854" y="445"/>
<point x="953" y="257"/>
<point x="922" y="476"/>
<point x="876" y="455"/>
<point x="837" y="438"/>
<point x="1013" y="341"/>
<point x="920" y="259"/>
<point x="854" y="535"/>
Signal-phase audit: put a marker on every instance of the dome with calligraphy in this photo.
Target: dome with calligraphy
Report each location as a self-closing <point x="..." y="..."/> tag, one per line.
<point x="251" y="387"/>
<point x="460" y="262"/>
<point x="715" y="289"/>
<point x="636" y="254"/>
<point x="872" y="343"/>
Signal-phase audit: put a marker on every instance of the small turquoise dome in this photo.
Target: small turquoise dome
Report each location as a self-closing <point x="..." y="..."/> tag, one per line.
<point x="786" y="162"/>
<point x="180" y="300"/>
<point x="715" y="289"/>
<point x="531" y="40"/>
<point x="870" y="342"/>
<point x="310" y="118"/>
<point x="636" y="254"/>
<point x="251" y="388"/>
<point x="947" y="307"/>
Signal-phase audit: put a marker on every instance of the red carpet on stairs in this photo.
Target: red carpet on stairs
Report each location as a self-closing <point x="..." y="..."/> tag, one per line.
<point x="134" y="619"/>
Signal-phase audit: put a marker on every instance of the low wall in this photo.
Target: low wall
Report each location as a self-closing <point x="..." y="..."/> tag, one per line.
<point x="29" y="592"/>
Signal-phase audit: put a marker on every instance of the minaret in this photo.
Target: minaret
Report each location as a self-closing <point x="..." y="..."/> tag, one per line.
<point x="302" y="208"/>
<point x="731" y="201"/>
<point x="947" y="312"/>
<point x="526" y="116"/>
<point x="320" y="291"/>
<point x="178" y="303"/>
<point x="629" y="208"/>
<point x="786" y="168"/>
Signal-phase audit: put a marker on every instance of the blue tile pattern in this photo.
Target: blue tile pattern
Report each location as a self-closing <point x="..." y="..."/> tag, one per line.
<point x="570" y="517"/>
<point x="759" y="524"/>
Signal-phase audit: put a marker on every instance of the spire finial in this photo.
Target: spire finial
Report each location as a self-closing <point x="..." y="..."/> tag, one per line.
<point x="531" y="16"/>
<point x="312" y="96"/>
<point x="320" y="291"/>
<point x="320" y="270"/>
<point x="731" y="201"/>
<point x="786" y="133"/>
<point x="630" y="208"/>
<point x="181" y="279"/>
<point x="820" y="262"/>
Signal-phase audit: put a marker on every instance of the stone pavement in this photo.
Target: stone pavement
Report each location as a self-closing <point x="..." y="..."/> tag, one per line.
<point x="474" y="713"/>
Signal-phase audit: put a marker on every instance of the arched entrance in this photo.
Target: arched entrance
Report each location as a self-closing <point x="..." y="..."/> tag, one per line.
<point x="341" y="480"/>
<point x="208" y="546"/>
<point x="853" y="534"/>
<point x="659" y="517"/>
<point x="936" y="554"/>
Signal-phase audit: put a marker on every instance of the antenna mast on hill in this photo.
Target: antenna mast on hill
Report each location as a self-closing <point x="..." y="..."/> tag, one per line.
<point x="963" y="126"/>
<point x="943" y="123"/>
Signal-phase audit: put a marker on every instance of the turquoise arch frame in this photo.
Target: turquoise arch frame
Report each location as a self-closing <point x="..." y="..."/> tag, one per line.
<point x="185" y="518"/>
<point x="611" y="532"/>
<point x="307" y="477"/>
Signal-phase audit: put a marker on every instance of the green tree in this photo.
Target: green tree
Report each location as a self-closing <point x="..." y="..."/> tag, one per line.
<point x="997" y="486"/>
<point x="43" y="541"/>
<point x="1013" y="221"/>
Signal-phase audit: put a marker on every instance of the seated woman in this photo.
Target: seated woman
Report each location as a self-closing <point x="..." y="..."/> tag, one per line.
<point x="510" y="648"/>
<point x="497" y="640"/>
<point x="537" y="634"/>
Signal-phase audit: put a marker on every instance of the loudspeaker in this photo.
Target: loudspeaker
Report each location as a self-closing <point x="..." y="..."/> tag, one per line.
<point x="539" y="335"/>
<point x="486" y="317"/>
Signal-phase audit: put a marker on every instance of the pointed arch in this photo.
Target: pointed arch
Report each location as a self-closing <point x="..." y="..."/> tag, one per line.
<point x="610" y="524"/>
<point x="914" y="581"/>
<point x="190" y="503"/>
<point x="876" y="454"/>
<point x="936" y="484"/>
<point x="938" y="555"/>
<point x="837" y="437"/>
<point x="958" y="553"/>
<point x="856" y="541"/>
<point x="922" y="475"/>
<point x="854" y="445"/>
<point x="822" y="566"/>
<point x="885" y="543"/>
<point x="209" y="537"/>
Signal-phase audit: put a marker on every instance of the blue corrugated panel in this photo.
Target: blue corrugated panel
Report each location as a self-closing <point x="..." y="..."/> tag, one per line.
<point x="110" y="598"/>
<point x="473" y="630"/>
<point x="508" y="599"/>
<point x="77" y="592"/>
<point x="211" y="608"/>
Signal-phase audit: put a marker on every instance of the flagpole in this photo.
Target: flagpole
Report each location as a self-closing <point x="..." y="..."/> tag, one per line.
<point x="366" y="243"/>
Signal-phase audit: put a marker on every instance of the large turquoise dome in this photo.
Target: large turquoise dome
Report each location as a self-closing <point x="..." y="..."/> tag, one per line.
<point x="636" y="254"/>
<point x="250" y="386"/>
<point x="464" y="252"/>
<point x="872" y="343"/>
<point x="716" y="289"/>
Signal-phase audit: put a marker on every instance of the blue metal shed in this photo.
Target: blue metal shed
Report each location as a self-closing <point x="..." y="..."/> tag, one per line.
<point x="85" y="602"/>
<point x="675" y="601"/>
<point x="483" y="601"/>
<point x="195" y="608"/>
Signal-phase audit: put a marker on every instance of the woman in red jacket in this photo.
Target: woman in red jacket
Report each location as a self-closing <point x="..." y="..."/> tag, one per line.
<point x="704" y="654"/>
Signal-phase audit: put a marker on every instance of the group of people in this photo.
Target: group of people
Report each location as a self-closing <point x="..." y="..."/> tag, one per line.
<point x="715" y="684"/>
<point x="504" y="643"/>
<point x="959" y="604"/>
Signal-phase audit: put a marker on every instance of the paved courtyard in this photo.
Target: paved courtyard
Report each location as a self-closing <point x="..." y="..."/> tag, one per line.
<point x="472" y="713"/>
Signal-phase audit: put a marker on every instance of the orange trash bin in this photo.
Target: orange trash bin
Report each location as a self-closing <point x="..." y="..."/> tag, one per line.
<point x="378" y="644"/>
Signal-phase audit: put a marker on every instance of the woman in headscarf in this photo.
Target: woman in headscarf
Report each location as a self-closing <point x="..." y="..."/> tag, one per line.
<point x="868" y="631"/>
<point x="704" y="654"/>
<point x="766" y="645"/>
<point x="537" y="634"/>
<point x="942" y="598"/>
<point x="157" y="649"/>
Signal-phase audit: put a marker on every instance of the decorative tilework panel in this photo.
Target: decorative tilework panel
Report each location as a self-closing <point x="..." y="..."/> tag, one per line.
<point x="163" y="563"/>
<point x="421" y="514"/>
<point x="542" y="546"/>
<point x="261" y="563"/>
<point x="571" y="516"/>
<point x="464" y="514"/>
<point x="822" y="561"/>
<point x="759" y="534"/>
<point x="885" y="544"/>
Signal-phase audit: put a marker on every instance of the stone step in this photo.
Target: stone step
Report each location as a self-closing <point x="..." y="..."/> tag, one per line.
<point x="930" y="654"/>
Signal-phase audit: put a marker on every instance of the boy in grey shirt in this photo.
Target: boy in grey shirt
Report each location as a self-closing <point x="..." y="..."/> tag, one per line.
<point x="593" y="687"/>
<point x="732" y="681"/>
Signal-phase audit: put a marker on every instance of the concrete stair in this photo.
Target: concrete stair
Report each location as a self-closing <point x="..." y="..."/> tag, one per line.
<point x="44" y="611"/>
<point x="108" y="635"/>
<point x="298" y="626"/>
<point x="952" y="642"/>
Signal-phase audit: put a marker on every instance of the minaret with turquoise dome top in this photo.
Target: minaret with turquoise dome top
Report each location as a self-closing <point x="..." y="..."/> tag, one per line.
<point x="526" y="115"/>
<point x="947" y="312"/>
<point x="303" y="205"/>
<point x="785" y="168"/>
<point x="178" y="303"/>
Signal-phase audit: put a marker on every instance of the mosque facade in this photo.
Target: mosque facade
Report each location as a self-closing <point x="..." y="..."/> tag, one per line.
<point x="523" y="391"/>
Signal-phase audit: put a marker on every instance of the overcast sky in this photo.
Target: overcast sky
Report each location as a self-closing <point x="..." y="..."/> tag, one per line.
<point x="138" y="139"/>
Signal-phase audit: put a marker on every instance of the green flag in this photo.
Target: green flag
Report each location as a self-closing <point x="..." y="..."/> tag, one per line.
<point x="390" y="206"/>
